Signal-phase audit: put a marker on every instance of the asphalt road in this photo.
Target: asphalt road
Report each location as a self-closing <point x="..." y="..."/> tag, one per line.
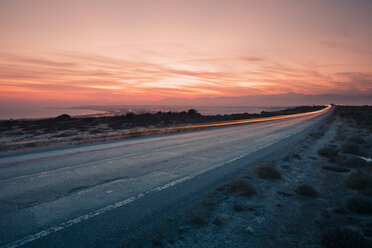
<point x="104" y="195"/>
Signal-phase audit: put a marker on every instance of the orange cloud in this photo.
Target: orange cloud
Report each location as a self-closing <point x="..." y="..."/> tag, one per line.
<point x="81" y="76"/>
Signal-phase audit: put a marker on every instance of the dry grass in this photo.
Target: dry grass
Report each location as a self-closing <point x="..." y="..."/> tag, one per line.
<point x="335" y="168"/>
<point x="239" y="187"/>
<point x="360" y="205"/>
<point x="328" y="151"/>
<point x="356" y="140"/>
<point x="267" y="171"/>
<point x="282" y="193"/>
<point x="317" y="134"/>
<point x="306" y="190"/>
<point x="217" y="221"/>
<point x="344" y="238"/>
<point x="359" y="181"/>
<point x="354" y="162"/>
<point x="350" y="148"/>
<point x="198" y="220"/>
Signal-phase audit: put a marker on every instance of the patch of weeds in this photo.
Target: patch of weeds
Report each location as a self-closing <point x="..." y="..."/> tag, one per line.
<point x="240" y="187"/>
<point x="248" y="177"/>
<point x="360" y="205"/>
<point x="198" y="220"/>
<point x="306" y="190"/>
<point x="282" y="193"/>
<point x="210" y="203"/>
<point x="286" y="158"/>
<point x="344" y="238"/>
<point x="267" y="171"/>
<point x="339" y="210"/>
<point x="359" y="181"/>
<point x="328" y="151"/>
<point x="350" y="148"/>
<point x="296" y="155"/>
<point x="156" y="242"/>
<point x="238" y="207"/>
<point x="335" y="168"/>
<point x="354" y="162"/>
<point x="356" y="140"/>
<point x="217" y="221"/>
<point x="221" y="188"/>
<point x="317" y="134"/>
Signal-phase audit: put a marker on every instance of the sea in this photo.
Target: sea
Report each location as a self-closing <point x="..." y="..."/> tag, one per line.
<point x="88" y="111"/>
<point x="42" y="113"/>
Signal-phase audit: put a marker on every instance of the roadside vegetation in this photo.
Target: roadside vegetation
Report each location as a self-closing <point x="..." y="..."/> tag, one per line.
<point x="318" y="194"/>
<point x="267" y="171"/>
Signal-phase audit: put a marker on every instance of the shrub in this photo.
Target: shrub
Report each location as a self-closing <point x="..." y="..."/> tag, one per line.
<point x="267" y="172"/>
<point x="335" y="168"/>
<point x="344" y="238"/>
<point x="359" y="182"/>
<point x="317" y="134"/>
<point x="217" y="221"/>
<point x="296" y="155"/>
<point x="306" y="190"/>
<point x="286" y="158"/>
<point x="63" y="117"/>
<point x="238" y="207"/>
<point x="284" y="193"/>
<point x="354" y="163"/>
<point x="350" y="148"/>
<point x="197" y="220"/>
<point x="360" y="205"/>
<point x="328" y="151"/>
<point x="356" y="140"/>
<point x="240" y="187"/>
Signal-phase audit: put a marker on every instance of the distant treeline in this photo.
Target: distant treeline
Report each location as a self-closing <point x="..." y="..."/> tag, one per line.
<point x="130" y="120"/>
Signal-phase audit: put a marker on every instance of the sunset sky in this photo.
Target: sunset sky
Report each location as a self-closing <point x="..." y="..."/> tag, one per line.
<point x="74" y="52"/>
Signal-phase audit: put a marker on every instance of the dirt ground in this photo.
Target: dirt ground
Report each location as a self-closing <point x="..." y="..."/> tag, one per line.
<point x="317" y="195"/>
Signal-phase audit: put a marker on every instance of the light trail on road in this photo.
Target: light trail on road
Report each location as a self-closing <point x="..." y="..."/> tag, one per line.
<point x="283" y="118"/>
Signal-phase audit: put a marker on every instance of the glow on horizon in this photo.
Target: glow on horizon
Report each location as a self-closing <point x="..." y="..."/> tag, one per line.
<point x="119" y="52"/>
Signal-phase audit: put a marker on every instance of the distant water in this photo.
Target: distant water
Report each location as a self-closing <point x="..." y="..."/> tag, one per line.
<point x="38" y="112"/>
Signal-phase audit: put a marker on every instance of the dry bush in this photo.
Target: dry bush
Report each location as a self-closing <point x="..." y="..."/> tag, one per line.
<point x="328" y="151"/>
<point x="359" y="181"/>
<point x="356" y="139"/>
<point x="335" y="168"/>
<point x="267" y="171"/>
<point x="350" y="148"/>
<point x="354" y="162"/>
<point x="306" y="190"/>
<point x="344" y="238"/>
<point x="240" y="187"/>
<point x="360" y="205"/>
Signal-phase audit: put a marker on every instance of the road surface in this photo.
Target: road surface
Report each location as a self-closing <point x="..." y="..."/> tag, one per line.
<point x="105" y="194"/>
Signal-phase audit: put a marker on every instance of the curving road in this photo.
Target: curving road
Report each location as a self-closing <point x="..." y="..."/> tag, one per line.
<point x="104" y="194"/>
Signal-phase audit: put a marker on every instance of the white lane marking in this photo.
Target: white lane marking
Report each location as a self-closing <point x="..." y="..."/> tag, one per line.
<point x="95" y="213"/>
